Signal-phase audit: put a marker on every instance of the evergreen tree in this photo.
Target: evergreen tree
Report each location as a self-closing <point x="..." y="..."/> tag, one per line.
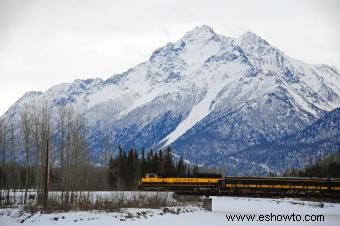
<point x="181" y="167"/>
<point x="142" y="164"/>
<point x="195" y="169"/>
<point x="168" y="168"/>
<point x="160" y="163"/>
<point x="112" y="173"/>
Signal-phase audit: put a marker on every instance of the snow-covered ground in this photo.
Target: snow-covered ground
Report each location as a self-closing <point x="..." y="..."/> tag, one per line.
<point x="189" y="215"/>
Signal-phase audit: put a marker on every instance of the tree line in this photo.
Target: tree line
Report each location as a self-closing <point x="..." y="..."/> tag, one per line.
<point x="326" y="167"/>
<point x="125" y="169"/>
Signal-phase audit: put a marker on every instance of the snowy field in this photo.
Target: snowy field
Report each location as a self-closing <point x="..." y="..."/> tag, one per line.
<point x="188" y="215"/>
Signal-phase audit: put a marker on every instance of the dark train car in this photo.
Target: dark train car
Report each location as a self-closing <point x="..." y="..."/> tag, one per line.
<point x="281" y="185"/>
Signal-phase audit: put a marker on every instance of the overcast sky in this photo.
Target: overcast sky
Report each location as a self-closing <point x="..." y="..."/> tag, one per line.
<point x="43" y="43"/>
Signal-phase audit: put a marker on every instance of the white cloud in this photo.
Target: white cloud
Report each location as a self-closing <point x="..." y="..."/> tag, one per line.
<point x="43" y="43"/>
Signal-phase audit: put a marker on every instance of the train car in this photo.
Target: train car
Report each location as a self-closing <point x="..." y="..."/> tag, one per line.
<point x="195" y="182"/>
<point x="214" y="184"/>
<point x="282" y="185"/>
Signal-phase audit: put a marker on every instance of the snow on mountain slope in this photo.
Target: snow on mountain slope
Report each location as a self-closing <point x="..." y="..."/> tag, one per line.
<point x="205" y="94"/>
<point x="197" y="113"/>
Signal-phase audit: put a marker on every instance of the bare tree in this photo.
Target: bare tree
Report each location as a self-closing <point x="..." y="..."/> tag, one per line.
<point x="45" y="134"/>
<point x="4" y="137"/>
<point x="26" y="126"/>
<point x="14" y="176"/>
<point x="74" y="167"/>
<point x="36" y="125"/>
<point x="3" y="131"/>
<point x="62" y="132"/>
<point x="79" y="151"/>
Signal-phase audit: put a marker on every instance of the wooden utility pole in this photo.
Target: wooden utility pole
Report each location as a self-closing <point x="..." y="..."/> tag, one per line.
<point x="46" y="176"/>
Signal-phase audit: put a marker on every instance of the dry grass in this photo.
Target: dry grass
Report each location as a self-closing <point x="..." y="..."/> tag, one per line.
<point x="113" y="203"/>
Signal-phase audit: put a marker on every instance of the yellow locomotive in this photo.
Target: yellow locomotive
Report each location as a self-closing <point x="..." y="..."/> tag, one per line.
<point x="191" y="182"/>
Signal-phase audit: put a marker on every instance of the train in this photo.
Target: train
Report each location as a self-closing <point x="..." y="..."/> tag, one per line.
<point x="194" y="182"/>
<point x="215" y="184"/>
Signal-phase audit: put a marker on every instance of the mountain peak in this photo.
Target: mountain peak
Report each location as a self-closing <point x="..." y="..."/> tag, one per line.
<point x="250" y="38"/>
<point x="200" y="32"/>
<point x="204" y="28"/>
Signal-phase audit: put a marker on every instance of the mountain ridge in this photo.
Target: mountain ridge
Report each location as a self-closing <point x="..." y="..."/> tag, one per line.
<point x="317" y="140"/>
<point x="207" y="95"/>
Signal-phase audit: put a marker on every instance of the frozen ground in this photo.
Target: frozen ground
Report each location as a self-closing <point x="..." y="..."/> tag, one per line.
<point x="187" y="216"/>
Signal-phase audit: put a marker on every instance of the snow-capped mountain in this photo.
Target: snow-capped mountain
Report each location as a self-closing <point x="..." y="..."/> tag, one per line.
<point x="207" y="95"/>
